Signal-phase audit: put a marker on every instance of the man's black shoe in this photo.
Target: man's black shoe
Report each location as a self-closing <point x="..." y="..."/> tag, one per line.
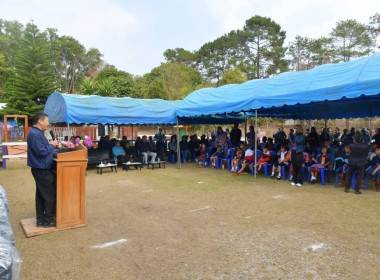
<point x="358" y="192"/>
<point x="39" y="223"/>
<point x="346" y="189"/>
<point x="50" y="224"/>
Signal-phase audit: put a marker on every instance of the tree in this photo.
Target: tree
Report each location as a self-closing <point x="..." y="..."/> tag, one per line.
<point x="71" y="60"/>
<point x="11" y="35"/>
<point x="351" y="39"/>
<point x="123" y="83"/>
<point x="87" y="87"/>
<point x="375" y="27"/>
<point x="5" y="72"/>
<point x="233" y="76"/>
<point x="180" y="56"/>
<point x="218" y="56"/>
<point x="306" y="53"/>
<point x="104" y="87"/>
<point x="32" y="79"/>
<point x="171" y="81"/>
<point x="263" y="51"/>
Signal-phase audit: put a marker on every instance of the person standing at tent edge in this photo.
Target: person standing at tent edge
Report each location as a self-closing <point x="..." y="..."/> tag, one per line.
<point x="297" y="143"/>
<point x="40" y="159"/>
<point x="357" y="162"/>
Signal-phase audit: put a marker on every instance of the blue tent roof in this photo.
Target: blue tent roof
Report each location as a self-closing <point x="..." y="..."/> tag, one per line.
<point x="93" y="109"/>
<point x="350" y="85"/>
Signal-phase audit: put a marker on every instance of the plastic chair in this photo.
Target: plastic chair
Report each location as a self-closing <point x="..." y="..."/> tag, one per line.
<point x="353" y="181"/>
<point x="229" y="157"/>
<point x="266" y="166"/>
<point x="324" y="172"/>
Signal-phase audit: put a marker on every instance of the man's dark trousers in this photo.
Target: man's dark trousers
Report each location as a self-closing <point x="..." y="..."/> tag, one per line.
<point x="45" y="194"/>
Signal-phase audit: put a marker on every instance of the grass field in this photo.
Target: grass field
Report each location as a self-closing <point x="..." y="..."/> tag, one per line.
<point x="197" y="223"/>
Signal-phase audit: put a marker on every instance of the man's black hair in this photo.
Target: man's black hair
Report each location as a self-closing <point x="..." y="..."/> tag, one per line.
<point x="39" y="116"/>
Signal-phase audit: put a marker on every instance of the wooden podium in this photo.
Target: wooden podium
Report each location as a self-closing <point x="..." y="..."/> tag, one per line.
<point x="70" y="171"/>
<point x="70" y="168"/>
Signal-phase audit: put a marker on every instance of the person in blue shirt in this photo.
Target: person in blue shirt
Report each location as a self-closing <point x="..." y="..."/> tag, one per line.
<point x="119" y="153"/>
<point x="40" y="159"/>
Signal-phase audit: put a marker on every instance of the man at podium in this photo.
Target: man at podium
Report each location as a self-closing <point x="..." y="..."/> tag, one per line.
<point x="40" y="159"/>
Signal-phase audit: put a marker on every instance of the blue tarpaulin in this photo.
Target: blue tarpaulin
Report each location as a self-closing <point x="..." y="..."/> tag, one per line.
<point x="350" y="89"/>
<point x="93" y="109"/>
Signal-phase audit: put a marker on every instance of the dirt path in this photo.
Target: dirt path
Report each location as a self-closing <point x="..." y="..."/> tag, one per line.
<point x="201" y="224"/>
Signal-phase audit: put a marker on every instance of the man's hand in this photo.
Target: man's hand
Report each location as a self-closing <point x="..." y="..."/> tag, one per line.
<point x="54" y="143"/>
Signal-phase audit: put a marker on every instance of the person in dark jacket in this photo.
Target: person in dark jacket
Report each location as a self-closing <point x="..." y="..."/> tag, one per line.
<point x="235" y="135"/>
<point x="40" y="159"/>
<point x="357" y="162"/>
<point x="297" y="144"/>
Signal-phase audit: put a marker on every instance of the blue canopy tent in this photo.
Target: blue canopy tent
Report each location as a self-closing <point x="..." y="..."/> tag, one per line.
<point x="93" y="109"/>
<point x="327" y="91"/>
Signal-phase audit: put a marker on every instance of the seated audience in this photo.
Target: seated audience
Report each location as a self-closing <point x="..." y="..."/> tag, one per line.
<point x="239" y="154"/>
<point x="145" y="150"/>
<point x="184" y="148"/>
<point x="119" y="153"/>
<point x="374" y="168"/>
<point x="265" y="158"/>
<point x="202" y="155"/>
<point x="321" y="162"/>
<point x="218" y="154"/>
<point x="249" y="157"/>
<point x="282" y="160"/>
<point x="173" y="148"/>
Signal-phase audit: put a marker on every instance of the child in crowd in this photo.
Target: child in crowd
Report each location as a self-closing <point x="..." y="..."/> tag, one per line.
<point x="203" y="154"/>
<point x="282" y="160"/>
<point x="270" y="144"/>
<point x="239" y="154"/>
<point x="372" y="151"/>
<point x="341" y="164"/>
<point x="374" y="168"/>
<point x="216" y="155"/>
<point x="322" y="162"/>
<point x="263" y="143"/>
<point x="249" y="157"/>
<point x="264" y="158"/>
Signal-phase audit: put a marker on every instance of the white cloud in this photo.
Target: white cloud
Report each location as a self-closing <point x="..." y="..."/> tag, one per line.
<point x="231" y="14"/>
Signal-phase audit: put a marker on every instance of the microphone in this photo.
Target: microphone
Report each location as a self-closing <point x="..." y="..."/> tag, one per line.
<point x="52" y="134"/>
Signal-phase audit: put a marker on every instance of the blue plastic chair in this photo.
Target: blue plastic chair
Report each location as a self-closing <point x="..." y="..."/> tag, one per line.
<point x="268" y="165"/>
<point x="229" y="157"/>
<point x="324" y="172"/>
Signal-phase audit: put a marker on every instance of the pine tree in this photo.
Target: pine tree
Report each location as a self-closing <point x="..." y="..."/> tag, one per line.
<point x="33" y="80"/>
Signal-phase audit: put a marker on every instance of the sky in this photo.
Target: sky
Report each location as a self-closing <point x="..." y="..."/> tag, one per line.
<point x="133" y="35"/>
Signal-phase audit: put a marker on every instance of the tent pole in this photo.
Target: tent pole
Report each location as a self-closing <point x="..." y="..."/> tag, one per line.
<point x="245" y="128"/>
<point x="178" y="148"/>
<point x="68" y="130"/>
<point x="255" y="143"/>
<point x="132" y="133"/>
